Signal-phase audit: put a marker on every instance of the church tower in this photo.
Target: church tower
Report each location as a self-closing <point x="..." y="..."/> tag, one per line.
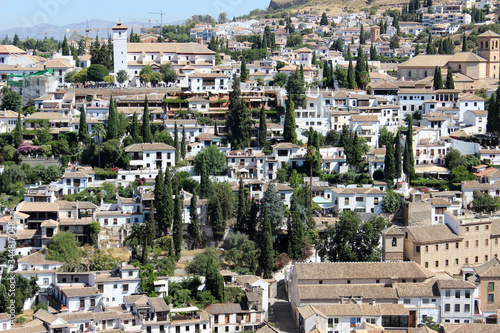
<point x="392" y="244"/>
<point x="489" y="48"/>
<point x="120" y="47"/>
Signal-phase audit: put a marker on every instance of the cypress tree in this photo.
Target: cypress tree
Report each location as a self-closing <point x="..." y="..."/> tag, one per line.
<point x="389" y="163"/>
<point x="450" y="84"/>
<point x="169" y="200"/>
<point x="177" y="228"/>
<point x="216" y="219"/>
<point x="373" y="52"/>
<point x="214" y="282"/>
<point x="241" y="211"/>
<point x="243" y="70"/>
<point x="296" y="236"/>
<point x="194" y="226"/>
<point x="65" y="47"/>
<point x="183" y="143"/>
<point x="409" y="159"/>
<point x="83" y="130"/>
<point x="160" y="199"/>
<point x="438" y="79"/>
<point x="18" y="131"/>
<point x="176" y="143"/>
<point x="204" y="179"/>
<point x="216" y="132"/>
<point x="313" y="61"/>
<point x="491" y="125"/>
<point x="262" y="128"/>
<point x="267" y="251"/>
<point x="362" y="37"/>
<point x="464" y="43"/>
<point x="150" y="232"/>
<point x="398" y="155"/>
<point x="417" y="49"/>
<point x="238" y="122"/>
<point x="351" y="79"/>
<point x="112" y="121"/>
<point x="146" y="129"/>
<point x="289" y="129"/>
<point x="135" y="131"/>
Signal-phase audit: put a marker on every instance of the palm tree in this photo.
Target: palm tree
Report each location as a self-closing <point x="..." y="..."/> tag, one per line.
<point x="136" y="238"/>
<point x="99" y="131"/>
<point x="311" y="158"/>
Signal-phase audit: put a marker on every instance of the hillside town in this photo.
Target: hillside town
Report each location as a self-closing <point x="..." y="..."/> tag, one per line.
<point x="285" y="171"/>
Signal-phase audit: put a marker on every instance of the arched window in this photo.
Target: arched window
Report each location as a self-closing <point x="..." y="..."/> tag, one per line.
<point x="486" y="45"/>
<point x="481" y="44"/>
<point x="394" y="241"/>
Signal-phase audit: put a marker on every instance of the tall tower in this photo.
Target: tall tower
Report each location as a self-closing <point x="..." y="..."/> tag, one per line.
<point x="489" y="48"/>
<point x="120" y="47"/>
<point x="374" y="33"/>
<point x="392" y="244"/>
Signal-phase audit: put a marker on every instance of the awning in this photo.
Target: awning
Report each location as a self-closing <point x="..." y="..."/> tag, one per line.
<point x="136" y="162"/>
<point x="366" y="127"/>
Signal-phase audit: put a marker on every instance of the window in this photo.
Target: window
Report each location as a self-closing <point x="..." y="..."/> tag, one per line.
<point x="446" y="262"/>
<point x="467" y="294"/>
<point x="417" y="248"/>
<point x="375" y="201"/>
<point x="466" y="243"/>
<point x="426" y="264"/>
<point x="491" y="286"/>
<point x="359" y="199"/>
<point x="130" y="273"/>
<point x="437" y="247"/>
<point x="466" y="307"/>
<point x="82" y="302"/>
<point x="115" y="286"/>
<point x="446" y="246"/>
<point x="476" y="243"/>
<point x="491" y="298"/>
<point x="407" y="301"/>
<point x="457" y="307"/>
<point x="436" y="263"/>
<point x="125" y="287"/>
<point x="486" y="242"/>
<point x="457" y="293"/>
<point x="425" y="301"/>
<point x="447" y="308"/>
<point x="476" y="259"/>
<point x="346" y="201"/>
<point x="330" y="322"/>
<point x="456" y="261"/>
<point x="447" y="293"/>
<point x="456" y="245"/>
<point x="394" y="241"/>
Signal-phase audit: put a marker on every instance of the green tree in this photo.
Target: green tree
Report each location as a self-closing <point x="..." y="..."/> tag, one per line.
<point x="18" y="132"/>
<point x="389" y="162"/>
<point x="243" y="71"/>
<point x="391" y="202"/>
<point x="177" y="228"/>
<point x="271" y="206"/>
<point x="194" y="227"/>
<point x="324" y="19"/>
<point x="168" y="72"/>
<point x="296" y="89"/>
<point x="242" y="207"/>
<point x="11" y="100"/>
<point x="296" y="233"/>
<point x="362" y="36"/>
<point x="176" y="143"/>
<point x="205" y="184"/>
<point x="438" y="78"/>
<point x="65" y="47"/>
<point x="145" y="74"/>
<point x="289" y="128"/>
<point x="149" y="233"/>
<point x="198" y="266"/>
<point x="135" y="130"/>
<point x="464" y="43"/>
<point x="262" y="128"/>
<point x="161" y="203"/>
<point x="216" y="219"/>
<point x="398" y="157"/>
<point x="183" y="143"/>
<point x="214" y="282"/>
<point x="112" y="120"/>
<point x="483" y="202"/>
<point x="267" y="257"/>
<point x="237" y="120"/>
<point x="408" y="157"/>
<point x="169" y="200"/>
<point x="83" y="131"/>
<point x="122" y="76"/>
<point x="214" y="158"/>
<point x="450" y="84"/>
<point x="351" y="78"/>
<point x="94" y="230"/>
<point x="97" y="72"/>
<point x="146" y="129"/>
<point x="64" y="247"/>
<point x="351" y="239"/>
<point x="428" y="320"/>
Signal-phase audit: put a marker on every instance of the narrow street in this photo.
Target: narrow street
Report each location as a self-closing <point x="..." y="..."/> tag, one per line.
<point x="283" y="312"/>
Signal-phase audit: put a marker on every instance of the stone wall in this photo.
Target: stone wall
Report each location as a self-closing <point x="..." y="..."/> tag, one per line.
<point x="106" y="92"/>
<point x="43" y="161"/>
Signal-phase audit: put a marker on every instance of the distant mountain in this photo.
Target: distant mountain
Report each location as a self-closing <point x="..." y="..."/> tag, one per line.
<point x="280" y="4"/>
<point x="97" y="26"/>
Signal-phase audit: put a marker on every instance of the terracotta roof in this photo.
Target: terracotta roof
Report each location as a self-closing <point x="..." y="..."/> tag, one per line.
<point x="455" y="284"/>
<point x="363" y="309"/>
<point x="489" y="269"/>
<point x="361" y="270"/>
<point x="489" y="33"/>
<point x="466" y="57"/>
<point x="424" y="60"/>
<point x="9" y="49"/>
<point x="338" y="291"/>
<point x="471" y="328"/>
<point x="226" y="308"/>
<point x="433" y="234"/>
<point x="284" y="145"/>
<point x="364" y="117"/>
<point x="78" y="292"/>
<point x="38" y="206"/>
<point x="183" y="48"/>
<point x="357" y="190"/>
<point x="392" y="231"/>
<point x="158" y="304"/>
<point x="309" y="310"/>
<point x="419" y="289"/>
<point x="140" y="147"/>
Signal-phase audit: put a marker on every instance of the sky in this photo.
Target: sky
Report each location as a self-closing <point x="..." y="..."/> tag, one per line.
<point x="27" y="13"/>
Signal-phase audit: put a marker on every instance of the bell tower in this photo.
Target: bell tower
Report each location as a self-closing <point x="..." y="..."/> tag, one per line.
<point x="392" y="244"/>
<point x="120" y="47"/>
<point x="489" y="48"/>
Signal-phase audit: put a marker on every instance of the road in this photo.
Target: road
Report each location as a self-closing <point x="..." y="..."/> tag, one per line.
<point x="283" y="312"/>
